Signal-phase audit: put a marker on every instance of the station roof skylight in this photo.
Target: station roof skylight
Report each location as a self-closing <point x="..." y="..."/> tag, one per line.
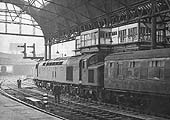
<point x="37" y="3"/>
<point x="14" y="20"/>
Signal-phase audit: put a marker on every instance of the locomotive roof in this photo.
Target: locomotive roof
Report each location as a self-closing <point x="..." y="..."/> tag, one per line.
<point x="97" y="65"/>
<point x="144" y="54"/>
<point x="76" y="59"/>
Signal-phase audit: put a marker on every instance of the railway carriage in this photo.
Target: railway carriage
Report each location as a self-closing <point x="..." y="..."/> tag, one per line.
<point x="140" y="76"/>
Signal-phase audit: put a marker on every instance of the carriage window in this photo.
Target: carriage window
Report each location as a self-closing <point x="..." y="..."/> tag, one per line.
<point x="162" y="63"/>
<point x="119" y="68"/>
<point x="157" y="63"/>
<point x="110" y="66"/>
<point x="91" y="76"/>
<point x="132" y="64"/>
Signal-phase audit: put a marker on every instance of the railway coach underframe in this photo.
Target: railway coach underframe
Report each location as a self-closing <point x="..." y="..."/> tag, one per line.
<point x="150" y="103"/>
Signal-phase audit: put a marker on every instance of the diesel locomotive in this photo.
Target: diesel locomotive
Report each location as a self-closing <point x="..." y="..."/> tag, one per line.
<point x="113" y="65"/>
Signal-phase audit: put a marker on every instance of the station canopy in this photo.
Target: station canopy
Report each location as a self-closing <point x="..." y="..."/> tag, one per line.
<point x="62" y="20"/>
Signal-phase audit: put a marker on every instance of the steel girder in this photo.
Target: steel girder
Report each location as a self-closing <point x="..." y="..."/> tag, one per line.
<point x="140" y="11"/>
<point x="62" y="22"/>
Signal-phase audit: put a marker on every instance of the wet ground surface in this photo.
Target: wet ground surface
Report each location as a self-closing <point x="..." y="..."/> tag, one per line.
<point x="28" y="84"/>
<point x="12" y="110"/>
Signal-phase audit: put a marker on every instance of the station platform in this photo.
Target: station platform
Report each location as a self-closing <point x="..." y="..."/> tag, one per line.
<point x="13" y="110"/>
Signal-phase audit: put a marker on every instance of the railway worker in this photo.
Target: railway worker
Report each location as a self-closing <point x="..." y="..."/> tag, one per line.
<point x="51" y="86"/>
<point x="57" y="92"/>
<point x="19" y="83"/>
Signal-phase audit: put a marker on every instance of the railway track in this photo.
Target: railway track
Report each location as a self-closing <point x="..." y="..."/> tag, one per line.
<point x="73" y="109"/>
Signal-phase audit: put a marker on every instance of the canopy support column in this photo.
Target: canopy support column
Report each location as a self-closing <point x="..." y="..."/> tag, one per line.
<point x="153" y="26"/>
<point x="49" y="51"/>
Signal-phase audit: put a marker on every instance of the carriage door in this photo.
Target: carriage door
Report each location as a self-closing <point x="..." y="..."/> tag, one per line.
<point x="100" y="75"/>
<point x="80" y="70"/>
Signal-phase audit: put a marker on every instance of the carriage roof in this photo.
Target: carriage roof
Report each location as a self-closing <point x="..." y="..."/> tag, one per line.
<point x="144" y="54"/>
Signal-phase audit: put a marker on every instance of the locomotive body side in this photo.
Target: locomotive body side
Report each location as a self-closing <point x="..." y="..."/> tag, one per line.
<point x="50" y="72"/>
<point x="58" y="73"/>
